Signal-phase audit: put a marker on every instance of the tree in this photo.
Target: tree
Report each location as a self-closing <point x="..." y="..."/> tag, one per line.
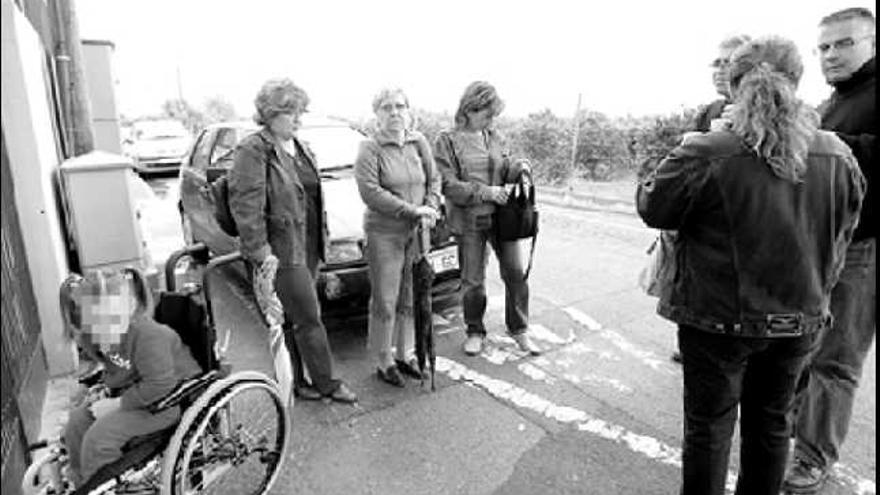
<point x="218" y="109"/>
<point x="180" y="110"/>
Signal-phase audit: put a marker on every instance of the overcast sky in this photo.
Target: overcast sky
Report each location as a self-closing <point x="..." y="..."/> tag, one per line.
<point x="624" y="56"/>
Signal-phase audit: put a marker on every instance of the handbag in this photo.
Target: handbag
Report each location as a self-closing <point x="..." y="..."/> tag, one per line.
<point x="518" y="217"/>
<point x="658" y="273"/>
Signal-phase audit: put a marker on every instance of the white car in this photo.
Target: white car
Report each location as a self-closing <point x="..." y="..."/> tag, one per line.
<point x="158" y="145"/>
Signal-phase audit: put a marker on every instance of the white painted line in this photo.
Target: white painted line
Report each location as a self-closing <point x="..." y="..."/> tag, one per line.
<point x="536" y="373"/>
<point x="582" y="318"/>
<point x="646" y="357"/>
<point x="640" y="444"/>
<point x="541" y="332"/>
<point x="600" y="380"/>
<point x="581" y="348"/>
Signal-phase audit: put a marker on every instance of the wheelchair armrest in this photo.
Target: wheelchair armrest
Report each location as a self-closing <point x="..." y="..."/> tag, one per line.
<point x="186" y="390"/>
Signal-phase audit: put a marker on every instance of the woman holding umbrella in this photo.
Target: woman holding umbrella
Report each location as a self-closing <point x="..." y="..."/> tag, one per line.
<point x="398" y="182"/>
<point x="275" y="197"/>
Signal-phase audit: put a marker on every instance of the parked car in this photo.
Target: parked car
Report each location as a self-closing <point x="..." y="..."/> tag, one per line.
<point x="157" y="145"/>
<point x="343" y="283"/>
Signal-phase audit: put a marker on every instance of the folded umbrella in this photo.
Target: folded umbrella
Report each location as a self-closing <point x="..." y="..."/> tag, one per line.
<point x="423" y="280"/>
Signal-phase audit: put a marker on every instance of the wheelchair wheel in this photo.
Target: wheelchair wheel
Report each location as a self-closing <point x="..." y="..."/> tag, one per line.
<point x="235" y="445"/>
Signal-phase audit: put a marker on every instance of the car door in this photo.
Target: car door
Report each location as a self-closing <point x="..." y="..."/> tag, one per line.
<point x="220" y="158"/>
<point x="194" y="194"/>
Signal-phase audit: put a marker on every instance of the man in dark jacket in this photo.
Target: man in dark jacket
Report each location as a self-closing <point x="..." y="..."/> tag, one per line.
<point x="847" y="50"/>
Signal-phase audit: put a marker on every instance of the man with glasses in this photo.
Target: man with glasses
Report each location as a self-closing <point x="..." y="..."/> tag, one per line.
<point x="846" y="51"/>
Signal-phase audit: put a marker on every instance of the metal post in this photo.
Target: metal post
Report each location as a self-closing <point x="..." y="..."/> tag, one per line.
<point x="68" y="55"/>
<point x="577" y="130"/>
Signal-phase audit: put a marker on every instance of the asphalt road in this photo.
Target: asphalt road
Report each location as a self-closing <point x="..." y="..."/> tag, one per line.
<point x="599" y="412"/>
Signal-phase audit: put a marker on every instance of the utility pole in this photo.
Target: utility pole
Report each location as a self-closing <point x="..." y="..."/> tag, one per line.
<point x="179" y="85"/>
<point x="77" y="121"/>
<point x="577" y="130"/>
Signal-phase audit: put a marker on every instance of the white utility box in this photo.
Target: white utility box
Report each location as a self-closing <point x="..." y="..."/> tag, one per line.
<point x="104" y="214"/>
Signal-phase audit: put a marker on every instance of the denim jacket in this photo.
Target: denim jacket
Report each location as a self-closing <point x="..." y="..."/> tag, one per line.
<point x="465" y="197"/>
<point x="756" y="255"/>
<point x="269" y="204"/>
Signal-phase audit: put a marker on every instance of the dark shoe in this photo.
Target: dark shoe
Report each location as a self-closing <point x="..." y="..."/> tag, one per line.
<point x="804" y="477"/>
<point x="343" y="394"/>
<point x="390" y="375"/>
<point x="676" y="357"/>
<point x="410" y="369"/>
<point x="307" y="392"/>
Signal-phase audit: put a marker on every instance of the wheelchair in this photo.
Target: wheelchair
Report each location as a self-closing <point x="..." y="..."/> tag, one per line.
<point x="233" y="434"/>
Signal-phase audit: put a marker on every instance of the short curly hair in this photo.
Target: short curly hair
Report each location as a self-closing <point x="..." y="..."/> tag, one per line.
<point x="386" y="93"/>
<point x="477" y="96"/>
<point x="279" y="96"/>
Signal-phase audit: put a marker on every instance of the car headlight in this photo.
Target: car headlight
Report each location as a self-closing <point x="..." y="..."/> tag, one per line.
<point x="344" y="252"/>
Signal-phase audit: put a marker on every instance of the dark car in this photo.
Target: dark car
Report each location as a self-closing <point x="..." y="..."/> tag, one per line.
<point x="343" y="282"/>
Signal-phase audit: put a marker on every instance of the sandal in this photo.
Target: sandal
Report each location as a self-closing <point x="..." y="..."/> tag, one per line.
<point x="390" y="375"/>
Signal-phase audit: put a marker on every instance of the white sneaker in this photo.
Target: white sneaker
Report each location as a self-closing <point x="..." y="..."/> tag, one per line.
<point x="526" y="345"/>
<point x="473" y="345"/>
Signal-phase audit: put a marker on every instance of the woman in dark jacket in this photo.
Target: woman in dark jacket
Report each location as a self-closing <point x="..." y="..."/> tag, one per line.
<point x="276" y="199"/>
<point x="764" y="210"/>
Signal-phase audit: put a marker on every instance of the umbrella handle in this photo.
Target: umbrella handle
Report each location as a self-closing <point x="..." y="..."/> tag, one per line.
<point x="424" y="237"/>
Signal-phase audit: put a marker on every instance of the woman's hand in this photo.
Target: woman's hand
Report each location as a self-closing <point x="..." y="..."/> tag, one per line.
<point x="498" y="194"/>
<point x="428" y="215"/>
<point x="102" y="407"/>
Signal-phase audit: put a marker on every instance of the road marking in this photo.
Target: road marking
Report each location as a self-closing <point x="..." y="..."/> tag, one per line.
<point x="641" y="444"/>
<point x="541" y="332"/>
<point x="536" y="373"/>
<point x="601" y="380"/>
<point x="646" y="357"/>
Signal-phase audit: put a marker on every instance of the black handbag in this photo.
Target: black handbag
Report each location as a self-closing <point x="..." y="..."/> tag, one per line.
<point x="518" y="217"/>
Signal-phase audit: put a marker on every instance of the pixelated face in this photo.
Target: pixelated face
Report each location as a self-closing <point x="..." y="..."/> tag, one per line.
<point x="105" y="318"/>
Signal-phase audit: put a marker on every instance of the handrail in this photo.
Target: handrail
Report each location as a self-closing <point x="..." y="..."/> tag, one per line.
<point x="171" y="263"/>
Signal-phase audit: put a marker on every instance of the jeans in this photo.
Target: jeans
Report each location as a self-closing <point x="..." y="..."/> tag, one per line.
<point x="305" y="335"/>
<point x="833" y="372"/>
<point x="390" y="256"/>
<point x="722" y="372"/>
<point x="473" y="256"/>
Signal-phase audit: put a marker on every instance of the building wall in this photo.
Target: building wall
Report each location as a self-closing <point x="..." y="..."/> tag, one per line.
<point x="32" y="147"/>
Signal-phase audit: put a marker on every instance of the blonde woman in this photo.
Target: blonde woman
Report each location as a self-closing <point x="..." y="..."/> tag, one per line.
<point x="765" y="210"/>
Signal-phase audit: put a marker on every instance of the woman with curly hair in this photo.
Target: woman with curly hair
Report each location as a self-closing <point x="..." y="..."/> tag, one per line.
<point x="276" y="199"/>
<point x="475" y="167"/>
<point x="764" y="209"/>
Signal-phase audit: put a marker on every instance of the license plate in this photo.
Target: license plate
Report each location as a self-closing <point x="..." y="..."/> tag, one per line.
<point x="444" y="259"/>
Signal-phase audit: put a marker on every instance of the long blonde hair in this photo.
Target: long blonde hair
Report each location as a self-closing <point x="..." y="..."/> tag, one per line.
<point x="768" y="115"/>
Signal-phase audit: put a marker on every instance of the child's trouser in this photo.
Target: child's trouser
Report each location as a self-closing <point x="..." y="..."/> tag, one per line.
<point x="93" y="443"/>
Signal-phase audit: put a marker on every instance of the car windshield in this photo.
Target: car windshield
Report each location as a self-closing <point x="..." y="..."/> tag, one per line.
<point x="159" y="129"/>
<point x="335" y="147"/>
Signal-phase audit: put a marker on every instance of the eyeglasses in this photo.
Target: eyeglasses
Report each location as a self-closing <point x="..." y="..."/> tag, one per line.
<point x="720" y="63"/>
<point x="841" y="44"/>
<point x="388" y="107"/>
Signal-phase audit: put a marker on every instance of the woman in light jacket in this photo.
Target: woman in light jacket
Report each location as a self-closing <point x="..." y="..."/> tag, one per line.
<point x="399" y="184"/>
<point x="475" y="167"/>
<point x="276" y="199"/>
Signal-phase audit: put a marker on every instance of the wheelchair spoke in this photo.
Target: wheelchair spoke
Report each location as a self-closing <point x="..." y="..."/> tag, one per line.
<point x="239" y="444"/>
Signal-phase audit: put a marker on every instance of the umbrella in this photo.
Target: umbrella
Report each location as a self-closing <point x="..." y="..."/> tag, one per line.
<point x="423" y="279"/>
<point x="273" y="313"/>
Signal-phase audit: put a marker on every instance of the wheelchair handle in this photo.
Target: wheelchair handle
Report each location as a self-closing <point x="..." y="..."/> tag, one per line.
<point x="193" y="250"/>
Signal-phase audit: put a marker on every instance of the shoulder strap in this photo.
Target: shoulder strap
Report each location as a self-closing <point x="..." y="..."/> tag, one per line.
<point x="531" y="258"/>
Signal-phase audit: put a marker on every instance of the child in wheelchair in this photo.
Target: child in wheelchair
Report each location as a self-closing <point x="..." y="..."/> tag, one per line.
<point x="110" y="315"/>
